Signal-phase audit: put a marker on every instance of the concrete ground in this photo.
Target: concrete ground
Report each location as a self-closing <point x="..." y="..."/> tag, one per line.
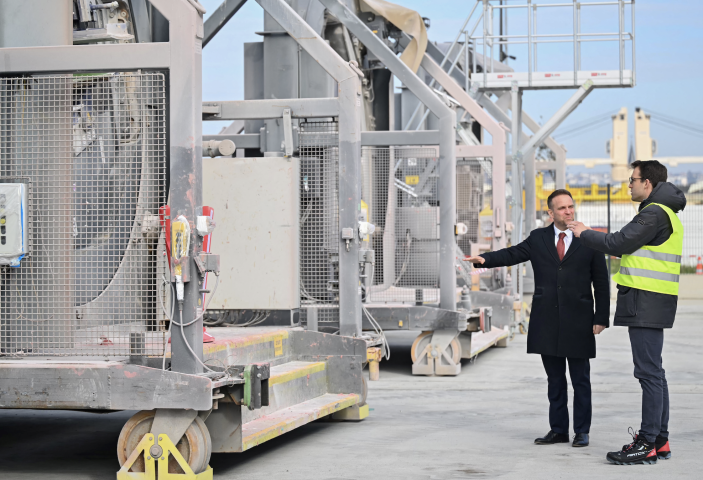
<point x="479" y="425"/>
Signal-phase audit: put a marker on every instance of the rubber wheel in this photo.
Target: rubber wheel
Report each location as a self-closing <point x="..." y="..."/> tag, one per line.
<point x="195" y="446"/>
<point x="453" y="350"/>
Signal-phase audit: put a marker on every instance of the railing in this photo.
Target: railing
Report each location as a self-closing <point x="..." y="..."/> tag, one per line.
<point x="488" y="39"/>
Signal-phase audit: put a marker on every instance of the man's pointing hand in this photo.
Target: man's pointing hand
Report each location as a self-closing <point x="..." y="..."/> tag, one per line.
<point x="476" y="259"/>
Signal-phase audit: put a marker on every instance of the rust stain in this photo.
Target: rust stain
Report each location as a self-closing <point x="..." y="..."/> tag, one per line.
<point x="130" y="374"/>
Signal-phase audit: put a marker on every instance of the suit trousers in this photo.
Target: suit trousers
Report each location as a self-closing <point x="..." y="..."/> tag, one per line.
<point x="647" y="345"/>
<point x="580" y="373"/>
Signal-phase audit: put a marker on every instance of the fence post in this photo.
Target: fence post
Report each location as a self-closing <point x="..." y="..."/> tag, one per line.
<point x="609" y="271"/>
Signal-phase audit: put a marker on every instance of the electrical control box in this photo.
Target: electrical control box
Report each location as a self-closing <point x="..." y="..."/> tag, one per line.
<point x="257" y="210"/>
<point x="13" y="223"/>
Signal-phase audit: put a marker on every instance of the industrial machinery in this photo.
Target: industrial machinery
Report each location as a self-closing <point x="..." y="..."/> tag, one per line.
<point x="319" y="220"/>
<point x="107" y="239"/>
<point x="435" y="183"/>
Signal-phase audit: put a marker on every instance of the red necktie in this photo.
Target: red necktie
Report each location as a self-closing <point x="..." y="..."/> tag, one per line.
<point x="560" y="246"/>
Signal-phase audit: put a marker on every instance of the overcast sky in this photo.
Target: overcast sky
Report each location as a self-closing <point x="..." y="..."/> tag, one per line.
<point x="669" y="72"/>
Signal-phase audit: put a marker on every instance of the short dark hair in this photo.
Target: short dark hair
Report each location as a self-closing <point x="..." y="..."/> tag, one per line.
<point x="556" y="193"/>
<point x="651" y="170"/>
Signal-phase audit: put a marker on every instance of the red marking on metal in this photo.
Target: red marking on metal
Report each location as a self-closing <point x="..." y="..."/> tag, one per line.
<point x="165" y="220"/>
<point x="130" y="374"/>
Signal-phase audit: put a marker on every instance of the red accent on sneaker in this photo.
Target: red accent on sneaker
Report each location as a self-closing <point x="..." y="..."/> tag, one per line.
<point x="665" y="448"/>
<point x="653" y="453"/>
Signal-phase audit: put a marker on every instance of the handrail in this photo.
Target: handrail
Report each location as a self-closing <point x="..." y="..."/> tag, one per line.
<point x="487" y="39"/>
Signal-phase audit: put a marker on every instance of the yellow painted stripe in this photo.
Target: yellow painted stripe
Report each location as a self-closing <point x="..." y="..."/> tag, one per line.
<point x="257" y="438"/>
<point x="244" y="341"/>
<point x="488" y="345"/>
<point x="302" y="371"/>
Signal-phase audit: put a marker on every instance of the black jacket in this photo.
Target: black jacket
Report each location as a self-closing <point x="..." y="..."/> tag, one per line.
<point x="562" y="317"/>
<point x="651" y="226"/>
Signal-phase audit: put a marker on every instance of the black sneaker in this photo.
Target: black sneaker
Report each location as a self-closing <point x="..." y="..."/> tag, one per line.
<point x="639" y="452"/>
<point x="663" y="449"/>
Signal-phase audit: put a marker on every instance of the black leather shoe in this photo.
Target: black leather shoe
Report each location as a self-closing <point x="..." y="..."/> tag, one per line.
<point x="551" y="438"/>
<point x="580" y="440"/>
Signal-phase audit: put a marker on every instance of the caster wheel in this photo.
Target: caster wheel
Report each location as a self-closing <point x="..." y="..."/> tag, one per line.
<point x="195" y="446"/>
<point x="453" y="350"/>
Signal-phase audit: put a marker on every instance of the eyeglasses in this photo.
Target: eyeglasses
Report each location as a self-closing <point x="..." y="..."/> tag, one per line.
<point x="632" y="180"/>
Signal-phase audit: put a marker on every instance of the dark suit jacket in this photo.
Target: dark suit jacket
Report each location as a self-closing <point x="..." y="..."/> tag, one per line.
<point x="562" y="317"/>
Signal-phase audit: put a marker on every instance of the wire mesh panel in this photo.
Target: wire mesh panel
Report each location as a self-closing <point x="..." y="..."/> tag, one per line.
<point x="471" y="186"/>
<point x="319" y="222"/>
<point x="93" y="147"/>
<point x="400" y="191"/>
<point x="474" y="209"/>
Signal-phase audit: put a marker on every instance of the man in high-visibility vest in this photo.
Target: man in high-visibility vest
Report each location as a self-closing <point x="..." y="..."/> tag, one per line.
<point x="650" y="246"/>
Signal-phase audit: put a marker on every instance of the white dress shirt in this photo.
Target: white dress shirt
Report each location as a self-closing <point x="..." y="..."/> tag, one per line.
<point x="567" y="239"/>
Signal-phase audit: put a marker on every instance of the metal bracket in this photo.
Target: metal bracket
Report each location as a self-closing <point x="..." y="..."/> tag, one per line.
<point x="157" y="448"/>
<point x="256" y="385"/>
<point x="172" y="422"/>
<point x="288" y="132"/>
<point x="207" y="262"/>
<point x="434" y="352"/>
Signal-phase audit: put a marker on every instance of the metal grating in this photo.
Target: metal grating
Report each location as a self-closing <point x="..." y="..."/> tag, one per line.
<point x="469" y="200"/>
<point x="400" y="192"/>
<point x="474" y="209"/>
<point x="319" y="222"/>
<point x="94" y="148"/>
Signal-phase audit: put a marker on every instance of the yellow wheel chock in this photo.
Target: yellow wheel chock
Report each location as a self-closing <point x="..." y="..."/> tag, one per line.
<point x="158" y="450"/>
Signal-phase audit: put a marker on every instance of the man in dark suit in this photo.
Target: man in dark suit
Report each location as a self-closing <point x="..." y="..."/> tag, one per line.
<point x="563" y="323"/>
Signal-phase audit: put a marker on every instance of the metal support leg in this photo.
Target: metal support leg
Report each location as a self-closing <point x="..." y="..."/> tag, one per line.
<point x="349" y="87"/>
<point x="516" y="183"/>
<point x="185" y="36"/>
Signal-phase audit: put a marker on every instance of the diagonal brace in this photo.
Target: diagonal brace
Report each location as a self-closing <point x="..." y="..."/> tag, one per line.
<point x="220" y="17"/>
<point x="550" y="125"/>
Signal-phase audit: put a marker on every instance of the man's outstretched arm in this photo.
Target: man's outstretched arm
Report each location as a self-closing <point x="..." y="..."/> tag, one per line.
<point x="640" y="231"/>
<point x="506" y="257"/>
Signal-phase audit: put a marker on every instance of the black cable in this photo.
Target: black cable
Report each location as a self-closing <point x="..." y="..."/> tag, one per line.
<point x="661" y="116"/>
<point x="582" y="123"/>
<point x="681" y="128"/>
<point x="580" y="132"/>
<point x="582" y="129"/>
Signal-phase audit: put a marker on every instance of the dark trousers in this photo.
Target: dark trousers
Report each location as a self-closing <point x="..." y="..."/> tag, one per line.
<point x="647" y="344"/>
<point x="580" y="373"/>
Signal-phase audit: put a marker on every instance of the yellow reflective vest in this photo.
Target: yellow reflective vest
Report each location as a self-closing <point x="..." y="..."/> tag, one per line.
<point x="655" y="269"/>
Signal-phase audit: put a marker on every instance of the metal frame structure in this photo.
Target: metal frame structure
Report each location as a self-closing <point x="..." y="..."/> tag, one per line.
<point x="532" y="78"/>
<point x="445" y="322"/>
<point x="232" y="389"/>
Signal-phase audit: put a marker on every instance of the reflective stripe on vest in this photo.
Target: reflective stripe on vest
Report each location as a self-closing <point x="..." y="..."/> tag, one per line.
<point x="655" y="268"/>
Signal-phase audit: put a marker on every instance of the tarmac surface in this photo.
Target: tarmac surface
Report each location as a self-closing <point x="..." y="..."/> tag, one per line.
<point x="481" y="424"/>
